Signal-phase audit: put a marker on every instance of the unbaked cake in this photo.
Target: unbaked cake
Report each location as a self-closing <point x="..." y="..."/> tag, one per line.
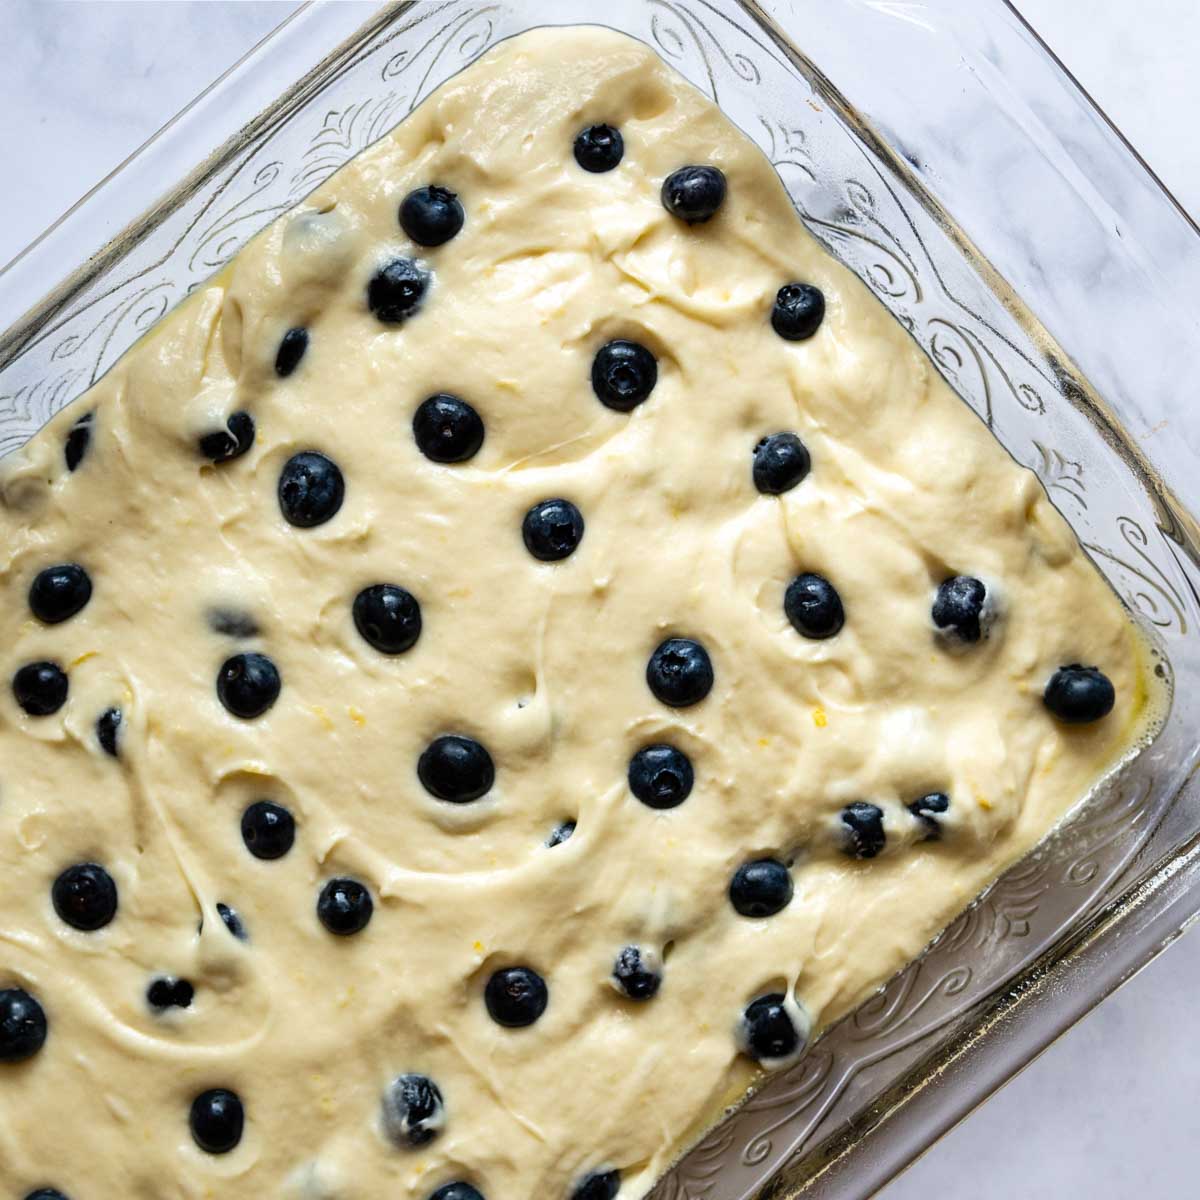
<point x="521" y="650"/>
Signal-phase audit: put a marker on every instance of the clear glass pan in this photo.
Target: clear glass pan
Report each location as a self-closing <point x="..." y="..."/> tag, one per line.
<point x="942" y="153"/>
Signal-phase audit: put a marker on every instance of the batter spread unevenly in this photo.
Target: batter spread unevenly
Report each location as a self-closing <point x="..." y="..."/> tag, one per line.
<point x="529" y="638"/>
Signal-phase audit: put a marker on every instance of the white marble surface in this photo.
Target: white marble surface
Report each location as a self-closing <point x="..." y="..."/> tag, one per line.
<point x="1109" y="1111"/>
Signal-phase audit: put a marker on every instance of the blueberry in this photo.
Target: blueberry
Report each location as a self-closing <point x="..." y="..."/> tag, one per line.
<point x="633" y="977"/>
<point x="927" y="809"/>
<point x="660" y="776"/>
<point x="46" y="1193"/>
<point x="222" y="446"/>
<point x="560" y="833"/>
<point x="108" y="725"/>
<point x="268" y="829"/>
<point x="40" y="688"/>
<point x="85" y="896"/>
<point x="693" y="194"/>
<point x="1078" y="694"/>
<point x="623" y="374"/>
<point x="456" y="769"/>
<point x="291" y="351"/>
<point x="78" y="440"/>
<point x="431" y="215"/>
<point x="447" y="429"/>
<point x="862" y="832"/>
<point x="780" y="462"/>
<point x="760" y="888"/>
<point x="457" y="1191"/>
<point x="344" y="907"/>
<point x="230" y="623"/>
<point x="232" y="921"/>
<point x="59" y="592"/>
<point x="599" y="1185"/>
<point x="813" y="606"/>
<point x="599" y="148"/>
<point x="248" y="684"/>
<point x="22" y="1025"/>
<point x="169" y="993"/>
<point x="516" y="997"/>
<point x="396" y="290"/>
<point x="311" y="489"/>
<point x="387" y="617"/>
<point x="768" y="1030"/>
<point x="552" y="529"/>
<point x="217" y="1119"/>
<point x="958" y="607"/>
<point x="413" y="1111"/>
<point x="680" y="672"/>
<point x="798" y="311"/>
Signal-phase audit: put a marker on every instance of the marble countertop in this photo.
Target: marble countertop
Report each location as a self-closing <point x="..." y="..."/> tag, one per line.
<point x="1109" y="1110"/>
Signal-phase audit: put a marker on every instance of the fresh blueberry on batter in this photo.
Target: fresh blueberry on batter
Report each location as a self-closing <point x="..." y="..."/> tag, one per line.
<point x="396" y="290"/>
<point x="413" y="1111"/>
<point x="268" y="829"/>
<point x="633" y="977"/>
<point x="432" y="215"/>
<point x="222" y="445"/>
<point x="344" y="907"/>
<point x="291" y="351"/>
<point x="560" y="833"/>
<point x="217" y="1120"/>
<point x="780" y="462"/>
<point x="862" y="829"/>
<point x="600" y="1185"/>
<point x="108" y="725"/>
<point x="59" y="592"/>
<point x="761" y="888"/>
<point x="1079" y="695"/>
<point x="23" y="1025"/>
<point x="387" y="617"/>
<point x="248" y="684"/>
<point x="958" y="608"/>
<point x="311" y="489"/>
<point x="693" y="194"/>
<point x="46" y="1194"/>
<point x="232" y="921"/>
<point x="40" y="688"/>
<point x="552" y="529"/>
<point x="813" y="606"/>
<point x="927" y="809"/>
<point x="599" y="148"/>
<point x="167" y="993"/>
<point x="85" y="896"/>
<point x="660" y="776"/>
<point x="623" y="374"/>
<point x="768" y="1029"/>
<point x="680" y="672"/>
<point x="456" y="769"/>
<point x="457" y="1191"/>
<point x="447" y="429"/>
<point x="78" y="440"/>
<point x="516" y="997"/>
<point x="798" y="311"/>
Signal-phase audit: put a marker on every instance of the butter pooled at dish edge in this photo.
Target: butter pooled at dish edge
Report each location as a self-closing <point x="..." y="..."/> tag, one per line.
<point x="541" y="662"/>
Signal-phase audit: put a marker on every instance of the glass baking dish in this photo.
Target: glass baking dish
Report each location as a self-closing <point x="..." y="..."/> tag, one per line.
<point x="943" y="154"/>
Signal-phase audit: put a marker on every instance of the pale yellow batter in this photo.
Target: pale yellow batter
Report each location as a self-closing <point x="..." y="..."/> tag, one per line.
<point x="544" y="663"/>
